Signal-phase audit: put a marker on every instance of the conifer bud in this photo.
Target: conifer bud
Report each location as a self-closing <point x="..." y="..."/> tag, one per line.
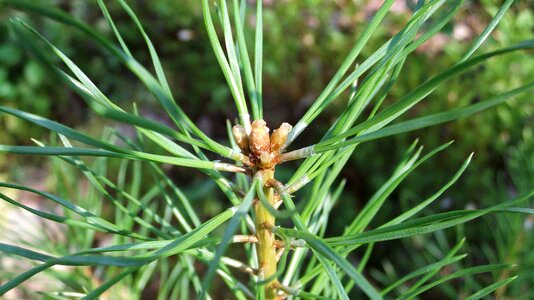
<point x="259" y="137"/>
<point x="265" y="160"/>
<point x="279" y="136"/>
<point x="241" y="138"/>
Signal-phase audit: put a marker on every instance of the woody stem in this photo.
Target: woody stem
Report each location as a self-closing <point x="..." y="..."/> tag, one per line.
<point x="266" y="239"/>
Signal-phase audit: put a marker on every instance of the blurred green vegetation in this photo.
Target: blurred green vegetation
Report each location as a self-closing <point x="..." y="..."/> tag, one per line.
<point x="305" y="41"/>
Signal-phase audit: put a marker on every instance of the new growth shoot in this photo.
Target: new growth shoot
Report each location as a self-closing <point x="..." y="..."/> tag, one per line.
<point x="263" y="152"/>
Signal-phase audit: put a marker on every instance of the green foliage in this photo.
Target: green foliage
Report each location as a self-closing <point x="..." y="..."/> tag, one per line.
<point x="141" y="229"/>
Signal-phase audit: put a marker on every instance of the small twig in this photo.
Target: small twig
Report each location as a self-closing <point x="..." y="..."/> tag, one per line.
<point x="219" y="166"/>
<point x="292" y="243"/>
<point x="238" y="156"/>
<point x="302" y="181"/>
<point x="248" y="270"/>
<point x="244" y="239"/>
<point x="275" y="184"/>
<point x="297" y="154"/>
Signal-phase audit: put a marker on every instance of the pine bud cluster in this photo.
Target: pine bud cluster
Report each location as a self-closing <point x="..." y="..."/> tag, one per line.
<point x="263" y="149"/>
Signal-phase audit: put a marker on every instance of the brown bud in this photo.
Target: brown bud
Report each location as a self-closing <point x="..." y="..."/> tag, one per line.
<point x="259" y="137"/>
<point x="241" y="138"/>
<point x="279" y="136"/>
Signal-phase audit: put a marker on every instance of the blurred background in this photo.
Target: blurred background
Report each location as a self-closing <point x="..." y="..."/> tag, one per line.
<point x="305" y="42"/>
